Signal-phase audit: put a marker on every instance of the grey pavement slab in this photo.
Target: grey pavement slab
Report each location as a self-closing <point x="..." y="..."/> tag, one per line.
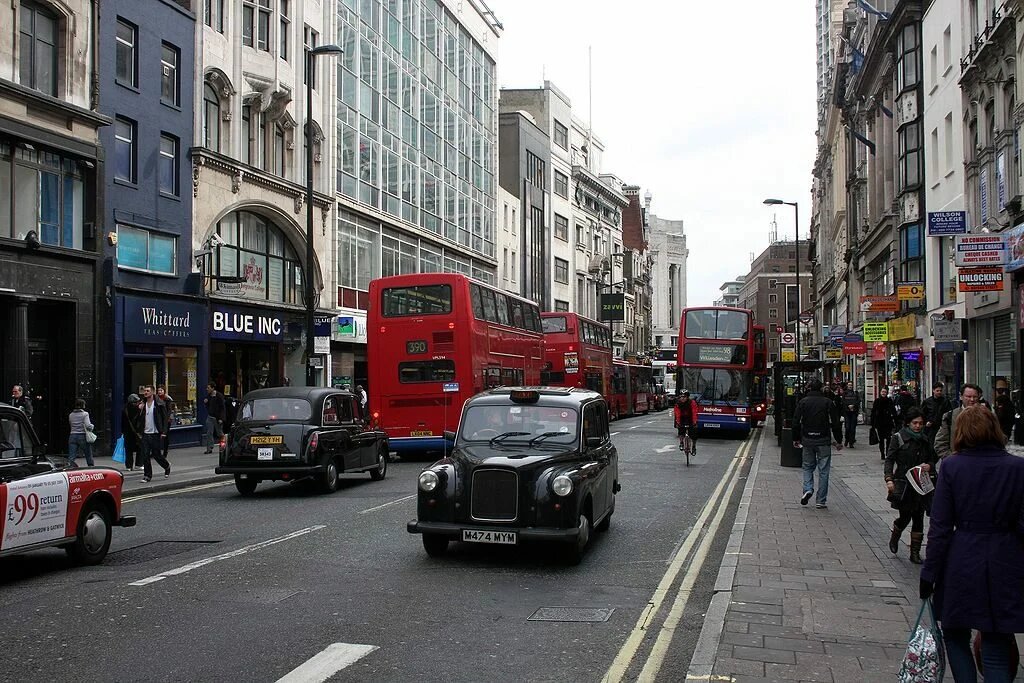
<point x="190" y="466"/>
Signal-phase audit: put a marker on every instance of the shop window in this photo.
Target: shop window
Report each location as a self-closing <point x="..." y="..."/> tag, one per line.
<point x="41" y="191"/>
<point x="140" y="249"/>
<point x="180" y="381"/>
<point x="258" y="251"/>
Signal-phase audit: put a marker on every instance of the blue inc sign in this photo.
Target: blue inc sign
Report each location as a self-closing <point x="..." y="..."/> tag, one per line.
<point x="942" y="223"/>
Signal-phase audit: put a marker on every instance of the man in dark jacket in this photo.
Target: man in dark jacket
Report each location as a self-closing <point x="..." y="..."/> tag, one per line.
<point x="20" y="400"/>
<point x="815" y="427"/>
<point x="851" y="410"/>
<point x="214" y="428"/>
<point x="933" y="408"/>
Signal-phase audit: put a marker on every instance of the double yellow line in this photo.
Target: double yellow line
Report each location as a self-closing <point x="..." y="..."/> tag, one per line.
<point x="705" y="533"/>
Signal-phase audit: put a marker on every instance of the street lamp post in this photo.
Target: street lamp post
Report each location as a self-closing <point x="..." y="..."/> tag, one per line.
<point x="796" y="228"/>
<point x="307" y="277"/>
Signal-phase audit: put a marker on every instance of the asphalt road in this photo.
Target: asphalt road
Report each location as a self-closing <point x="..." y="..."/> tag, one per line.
<point x="210" y="586"/>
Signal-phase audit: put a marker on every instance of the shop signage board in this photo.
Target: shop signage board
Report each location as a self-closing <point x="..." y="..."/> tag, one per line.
<point x="876" y="332"/>
<point x="879" y="304"/>
<point x="788" y="355"/>
<point x="980" y="250"/>
<point x="1014" y="248"/>
<point x="787" y="339"/>
<point x="157" y="321"/>
<point x="903" y="328"/>
<point x="833" y="354"/>
<point x="948" y="330"/>
<point x="980" y="279"/>
<point x="613" y="307"/>
<point x="845" y="367"/>
<point x="942" y="223"/>
<point x="854" y="348"/>
<point x="910" y="291"/>
<point x="321" y="345"/>
<point x="246" y="324"/>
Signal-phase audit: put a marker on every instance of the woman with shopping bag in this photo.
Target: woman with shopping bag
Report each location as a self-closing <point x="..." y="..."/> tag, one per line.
<point x="975" y="561"/>
<point x="908" y="448"/>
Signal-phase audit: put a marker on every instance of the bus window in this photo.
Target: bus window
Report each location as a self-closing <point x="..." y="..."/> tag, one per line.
<point x="532" y="318"/>
<point x="594" y="381"/>
<point x="501" y="301"/>
<point x="517" y="313"/>
<point x="412" y="372"/>
<point x="492" y="377"/>
<point x="554" y="324"/>
<point x="478" y="304"/>
<point x="490" y="314"/>
<point x="511" y="377"/>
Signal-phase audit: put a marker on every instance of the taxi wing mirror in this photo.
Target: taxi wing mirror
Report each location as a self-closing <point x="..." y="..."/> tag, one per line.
<point x="449" y="436"/>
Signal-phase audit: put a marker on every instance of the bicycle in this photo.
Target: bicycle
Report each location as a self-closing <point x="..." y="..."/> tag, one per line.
<point x="686" y="444"/>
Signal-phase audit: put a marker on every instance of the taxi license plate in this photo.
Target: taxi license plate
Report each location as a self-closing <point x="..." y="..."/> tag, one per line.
<point x="265" y="454"/>
<point x="422" y="432"/>
<point x="274" y="440"/>
<point x="478" y="536"/>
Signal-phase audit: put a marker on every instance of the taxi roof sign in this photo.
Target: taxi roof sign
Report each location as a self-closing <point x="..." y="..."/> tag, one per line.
<point x="524" y="396"/>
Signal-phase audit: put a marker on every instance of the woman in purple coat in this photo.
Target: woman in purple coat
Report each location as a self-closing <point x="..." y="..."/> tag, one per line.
<point x="975" y="563"/>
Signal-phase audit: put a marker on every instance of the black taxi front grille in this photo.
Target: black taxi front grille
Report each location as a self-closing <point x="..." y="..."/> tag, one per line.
<point x="495" y="495"/>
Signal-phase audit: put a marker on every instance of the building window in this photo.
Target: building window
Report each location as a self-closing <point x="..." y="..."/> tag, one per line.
<point x="359" y="253"/>
<point x="561" y="227"/>
<point x="561" y="135"/>
<point x="168" y="164"/>
<point x="213" y="14"/>
<point x="773" y="313"/>
<point x="561" y="270"/>
<point x="907" y="68"/>
<point x="124" y="149"/>
<point x="42" y="191"/>
<point x="247" y="137"/>
<point x="256" y="24"/>
<point x="912" y="253"/>
<point x="283" y="29"/>
<point x="280" y="167"/>
<point x="140" y="249"/>
<point x="561" y="185"/>
<point x="211" y="118"/>
<point x="259" y="252"/>
<point x="581" y="235"/>
<point x="38" y="45"/>
<point x="772" y="284"/>
<point x="773" y="298"/>
<point x="310" y="39"/>
<point x="910" y="156"/>
<point x="126" y="68"/>
<point x="170" y="88"/>
<point x="535" y="170"/>
<point x="561" y="305"/>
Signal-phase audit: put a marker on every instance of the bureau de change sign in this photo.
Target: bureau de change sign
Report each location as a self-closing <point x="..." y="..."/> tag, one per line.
<point x="980" y="250"/>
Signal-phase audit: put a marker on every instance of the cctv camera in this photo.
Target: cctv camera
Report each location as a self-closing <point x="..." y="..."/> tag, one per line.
<point x="217" y="241"/>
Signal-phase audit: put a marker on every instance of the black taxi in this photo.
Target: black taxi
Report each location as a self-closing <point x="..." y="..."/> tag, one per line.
<point x="528" y="464"/>
<point x="290" y="433"/>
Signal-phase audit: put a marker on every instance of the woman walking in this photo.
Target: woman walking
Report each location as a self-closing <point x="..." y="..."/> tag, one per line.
<point x="909" y="448"/>
<point x="975" y="562"/>
<point x="131" y="428"/>
<point x="77" y="441"/>
<point x="883" y="419"/>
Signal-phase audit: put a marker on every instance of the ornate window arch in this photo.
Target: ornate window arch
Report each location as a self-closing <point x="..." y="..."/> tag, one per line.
<point x="217" y="97"/>
<point x="260" y="252"/>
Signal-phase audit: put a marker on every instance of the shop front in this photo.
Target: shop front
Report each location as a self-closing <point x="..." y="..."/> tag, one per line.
<point x="255" y="348"/>
<point x="906" y="355"/>
<point x="348" y="350"/>
<point x="162" y="342"/>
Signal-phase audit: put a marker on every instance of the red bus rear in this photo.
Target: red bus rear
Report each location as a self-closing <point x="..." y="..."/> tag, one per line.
<point x="759" y="378"/>
<point x="716" y="361"/>
<point x="436" y="339"/>
<point x="577" y="352"/>
<point x="631" y="389"/>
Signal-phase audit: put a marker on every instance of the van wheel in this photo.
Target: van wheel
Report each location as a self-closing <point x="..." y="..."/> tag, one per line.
<point x="92" y="538"/>
<point x="246" y="486"/>
<point x="329" y="477"/>
<point x="574" y="552"/>
<point x="435" y="544"/>
<point x="381" y="470"/>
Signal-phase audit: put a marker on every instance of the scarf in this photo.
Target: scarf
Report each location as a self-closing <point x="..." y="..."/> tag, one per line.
<point x="909" y="434"/>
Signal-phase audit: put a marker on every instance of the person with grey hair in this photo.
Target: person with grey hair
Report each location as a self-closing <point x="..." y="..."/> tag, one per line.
<point x="816" y="427"/>
<point x="20" y="400"/>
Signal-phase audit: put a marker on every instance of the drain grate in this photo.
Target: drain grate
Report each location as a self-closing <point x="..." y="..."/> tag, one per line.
<point x="571" y="614"/>
<point x="153" y="551"/>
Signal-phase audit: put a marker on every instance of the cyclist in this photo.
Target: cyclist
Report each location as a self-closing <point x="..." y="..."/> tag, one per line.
<point x="685" y="413"/>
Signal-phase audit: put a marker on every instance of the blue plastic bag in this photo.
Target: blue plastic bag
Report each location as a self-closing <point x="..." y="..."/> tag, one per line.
<point x="119" y="450"/>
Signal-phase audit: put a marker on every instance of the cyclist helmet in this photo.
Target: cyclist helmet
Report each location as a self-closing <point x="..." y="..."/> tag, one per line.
<point x="686" y="392"/>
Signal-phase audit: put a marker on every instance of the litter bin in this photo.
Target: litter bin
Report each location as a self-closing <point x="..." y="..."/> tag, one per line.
<point x="791" y="455"/>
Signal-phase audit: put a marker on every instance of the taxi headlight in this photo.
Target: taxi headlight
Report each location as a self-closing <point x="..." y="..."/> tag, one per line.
<point x="561" y="485"/>
<point x="428" y="481"/>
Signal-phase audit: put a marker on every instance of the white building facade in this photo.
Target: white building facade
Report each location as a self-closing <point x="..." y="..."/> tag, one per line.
<point x="670" y="254"/>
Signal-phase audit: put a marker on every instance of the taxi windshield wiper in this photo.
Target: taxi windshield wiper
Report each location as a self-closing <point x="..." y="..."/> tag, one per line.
<point x="541" y="437"/>
<point x="501" y="437"/>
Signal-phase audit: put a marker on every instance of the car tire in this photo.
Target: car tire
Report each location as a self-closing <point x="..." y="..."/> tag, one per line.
<point x="574" y="552"/>
<point x="381" y="470"/>
<point x="436" y="545"/>
<point x="329" y="477"/>
<point x="246" y="486"/>
<point x="92" y="537"/>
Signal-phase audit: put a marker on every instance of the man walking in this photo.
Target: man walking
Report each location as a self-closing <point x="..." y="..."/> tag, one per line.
<point x="970" y="394"/>
<point x="851" y="410"/>
<point x="20" y="400"/>
<point x="214" y="428"/>
<point x="816" y="426"/>
<point x="933" y="408"/>
<point x="156" y="421"/>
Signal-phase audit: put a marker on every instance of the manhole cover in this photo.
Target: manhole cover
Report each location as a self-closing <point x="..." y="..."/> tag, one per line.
<point x="576" y="614"/>
<point x="153" y="551"/>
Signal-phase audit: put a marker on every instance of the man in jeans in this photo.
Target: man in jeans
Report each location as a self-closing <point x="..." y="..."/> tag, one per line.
<point x="815" y="421"/>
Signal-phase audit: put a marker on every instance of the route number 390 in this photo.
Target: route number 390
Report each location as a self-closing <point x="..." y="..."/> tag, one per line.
<point x="23" y="506"/>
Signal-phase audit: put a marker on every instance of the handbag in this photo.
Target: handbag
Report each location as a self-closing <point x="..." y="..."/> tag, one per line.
<point x="90" y="436"/>
<point x="925" y="659"/>
<point x="119" y="450"/>
<point x="895" y="497"/>
<point x="873" y="437"/>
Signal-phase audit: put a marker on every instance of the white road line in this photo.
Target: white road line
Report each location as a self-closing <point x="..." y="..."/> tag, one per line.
<point x="188" y="489"/>
<point x="322" y="666"/>
<point x="225" y="556"/>
<point x="381" y="507"/>
<point x="634" y="426"/>
<point x="616" y="433"/>
<point x="667" y="448"/>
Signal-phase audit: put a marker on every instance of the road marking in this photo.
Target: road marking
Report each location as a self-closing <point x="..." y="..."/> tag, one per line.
<point x="658" y="652"/>
<point x="616" y="433"/>
<point x="322" y="666"/>
<point x="225" y="556"/>
<point x="634" y="426"/>
<point x="381" y="507"/>
<point x="666" y="449"/>
<point x="188" y="489"/>
<point x="629" y="649"/>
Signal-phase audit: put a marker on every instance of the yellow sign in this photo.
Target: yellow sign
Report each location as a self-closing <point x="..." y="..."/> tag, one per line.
<point x="903" y="328"/>
<point x="845" y="367"/>
<point x="876" y="332"/>
<point x="788" y="355"/>
<point x="911" y="291"/>
<point x="833" y="353"/>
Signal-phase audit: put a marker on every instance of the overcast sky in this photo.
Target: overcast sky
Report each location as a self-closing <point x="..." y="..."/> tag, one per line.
<point x="710" y="106"/>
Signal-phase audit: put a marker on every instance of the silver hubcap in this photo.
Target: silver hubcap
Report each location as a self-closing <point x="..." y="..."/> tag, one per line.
<point x="332" y="474"/>
<point x="382" y="463"/>
<point x="584" y="532"/>
<point x="94" y="532"/>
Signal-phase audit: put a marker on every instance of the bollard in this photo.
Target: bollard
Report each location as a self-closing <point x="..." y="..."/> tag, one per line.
<point x="791" y="456"/>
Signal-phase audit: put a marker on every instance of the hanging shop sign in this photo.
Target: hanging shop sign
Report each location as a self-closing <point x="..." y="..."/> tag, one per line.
<point x="942" y="223"/>
<point x="910" y="291"/>
<point x="833" y="353"/>
<point x="949" y="330"/>
<point x="878" y="351"/>
<point x="613" y="307"/>
<point x="879" y="304"/>
<point x="157" y="321"/>
<point x="854" y="344"/>
<point x="903" y="328"/>
<point x="788" y="355"/>
<point x="980" y="279"/>
<point x="1014" y="248"/>
<point x="876" y="332"/>
<point x="980" y="250"/>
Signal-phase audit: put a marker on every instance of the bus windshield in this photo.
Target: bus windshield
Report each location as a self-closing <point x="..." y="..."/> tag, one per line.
<point x="554" y="324"/>
<point x="416" y="300"/>
<point x="716" y="324"/>
<point x="710" y="385"/>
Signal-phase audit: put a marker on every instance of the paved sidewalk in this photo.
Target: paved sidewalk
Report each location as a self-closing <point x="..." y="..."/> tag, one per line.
<point x="806" y="594"/>
<point x="189" y="467"/>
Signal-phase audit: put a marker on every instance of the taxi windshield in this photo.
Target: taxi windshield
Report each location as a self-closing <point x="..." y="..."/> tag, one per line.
<point x="276" y="409"/>
<point x="516" y="423"/>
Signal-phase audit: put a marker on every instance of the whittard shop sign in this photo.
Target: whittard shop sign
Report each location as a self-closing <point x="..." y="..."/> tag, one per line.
<point x="156" y="321"/>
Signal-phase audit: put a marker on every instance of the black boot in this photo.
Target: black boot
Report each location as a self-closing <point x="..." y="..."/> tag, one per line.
<point x="916" y="537"/>
<point x="894" y="540"/>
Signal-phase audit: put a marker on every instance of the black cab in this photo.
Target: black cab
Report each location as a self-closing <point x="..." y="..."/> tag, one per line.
<point x="528" y="464"/>
<point x="295" y="432"/>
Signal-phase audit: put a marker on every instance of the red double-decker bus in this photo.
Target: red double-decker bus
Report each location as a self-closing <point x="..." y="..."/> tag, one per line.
<point x="715" y="361"/>
<point x="436" y="339"/>
<point x="759" y="377"/>
<point x="577" y="352"/>
<point x="631" y="389"/>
